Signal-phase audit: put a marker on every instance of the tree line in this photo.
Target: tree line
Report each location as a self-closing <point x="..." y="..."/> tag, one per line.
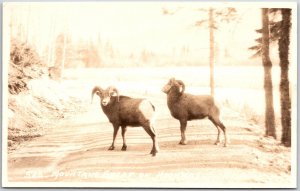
<point x="280" y="31"/>
<point x="271" y="31"/>
<point x="62" y="52"/>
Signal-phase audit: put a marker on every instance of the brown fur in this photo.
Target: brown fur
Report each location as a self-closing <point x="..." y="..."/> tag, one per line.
<point x="186" y="107"/>
<point x="123" y="111"/>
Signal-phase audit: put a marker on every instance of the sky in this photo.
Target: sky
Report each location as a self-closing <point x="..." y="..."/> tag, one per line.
<point x="139" y="26"/>
<point x="134" y="26"/>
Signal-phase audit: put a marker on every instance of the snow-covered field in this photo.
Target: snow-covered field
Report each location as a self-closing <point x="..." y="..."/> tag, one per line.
<point x="239" y="86"/>
<point x="75" y="149"/>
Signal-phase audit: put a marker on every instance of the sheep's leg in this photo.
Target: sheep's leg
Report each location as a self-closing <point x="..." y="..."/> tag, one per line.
<point x="219" y="131"/>
<point x="218" y="138"/>
<point x="183" y="124"/>
<point x="218" y="123"/>
<point x="153" y="137"/>
<point x="116" y="129"/>
<point x="123" y="136"/>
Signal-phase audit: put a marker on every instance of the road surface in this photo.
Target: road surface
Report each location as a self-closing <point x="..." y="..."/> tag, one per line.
<point x="76" y="151"/>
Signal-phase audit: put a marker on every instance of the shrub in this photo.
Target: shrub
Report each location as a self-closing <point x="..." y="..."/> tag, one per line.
<point x="23" y="54"/>
<point x="25" y="64"/>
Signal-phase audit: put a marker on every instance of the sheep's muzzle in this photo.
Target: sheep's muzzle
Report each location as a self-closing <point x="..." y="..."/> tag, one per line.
<point x="166" y="88"/>
<point x="105" y="101"/>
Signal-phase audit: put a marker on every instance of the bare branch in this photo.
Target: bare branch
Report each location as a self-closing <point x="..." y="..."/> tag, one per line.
<point x="201" y="23"/>
<point x="259" y="40"/>
<point x="258" y="30"/>
<point x="166" y="11"/>
<point x="201" y="9"/>
<point x="257" y="54"/>
<point x="256" y="47"/>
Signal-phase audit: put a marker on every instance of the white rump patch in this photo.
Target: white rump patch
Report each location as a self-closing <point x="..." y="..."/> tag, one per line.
<point x="147" y="110"/>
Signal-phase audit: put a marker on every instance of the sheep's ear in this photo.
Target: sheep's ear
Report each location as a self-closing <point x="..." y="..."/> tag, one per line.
<point x="172" y="81"/>
<point x="98" y="93"/>
<point x="114" y="94"/>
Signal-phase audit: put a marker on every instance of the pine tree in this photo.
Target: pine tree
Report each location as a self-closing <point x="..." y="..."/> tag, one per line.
<point x="285" y="101"/>
<point x="262" y="49"/>
<point x="215" y="17"/>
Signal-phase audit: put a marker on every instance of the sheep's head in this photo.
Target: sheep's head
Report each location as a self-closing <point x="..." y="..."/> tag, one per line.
<point x="105" y="95"/>
<point x="173" y="84"/>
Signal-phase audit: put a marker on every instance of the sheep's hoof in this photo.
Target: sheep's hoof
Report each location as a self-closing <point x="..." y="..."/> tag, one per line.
<point x="182" y="142"/>
<point x="226" y="145"/>
<point x="111" y="148"/>
<point x="153" y="152"/>
<point x="124" y="148"/>
<point x="217" y="142"/>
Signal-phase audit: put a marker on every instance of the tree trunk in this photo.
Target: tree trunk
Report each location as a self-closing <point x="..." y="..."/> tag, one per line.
<point x="267" y="64"/>
<point x="285" y="100"/>
<point x="27" y="26"/>
<point x="51" y="43"/>
<point x="211" y="56"/>
<point x="63" y="56"/>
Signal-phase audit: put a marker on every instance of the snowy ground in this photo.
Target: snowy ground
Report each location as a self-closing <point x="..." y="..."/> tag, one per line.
<point x="75" y="150"/>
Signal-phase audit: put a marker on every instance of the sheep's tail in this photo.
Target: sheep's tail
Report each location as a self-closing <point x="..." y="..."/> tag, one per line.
<point x="152" y="106"/>
<point x="220" y="114"/>
<point x="152" y="125"/>
<point x="219" y="109"/>
<point x="153" y="118"/>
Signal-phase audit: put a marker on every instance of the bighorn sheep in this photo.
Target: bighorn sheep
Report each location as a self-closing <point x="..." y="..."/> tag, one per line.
<point x="186" y="107"/>
<point x="125" y="111"/>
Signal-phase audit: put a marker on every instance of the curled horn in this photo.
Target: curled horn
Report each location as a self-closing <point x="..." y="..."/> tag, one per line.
<point x="96" y="89"/>
<point x="182" y="84"/>
<point x="113" y="89"/>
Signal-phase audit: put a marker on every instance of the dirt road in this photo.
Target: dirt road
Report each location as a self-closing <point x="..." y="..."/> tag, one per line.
<point x="77" y="152"/>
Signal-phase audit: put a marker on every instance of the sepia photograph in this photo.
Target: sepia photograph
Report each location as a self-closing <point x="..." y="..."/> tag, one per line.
<point x="161" y="94"/>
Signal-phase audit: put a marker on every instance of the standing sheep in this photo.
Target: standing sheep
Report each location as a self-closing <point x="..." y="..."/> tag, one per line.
<point x="123" y="111"/>
<point x="186" y="107"/>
